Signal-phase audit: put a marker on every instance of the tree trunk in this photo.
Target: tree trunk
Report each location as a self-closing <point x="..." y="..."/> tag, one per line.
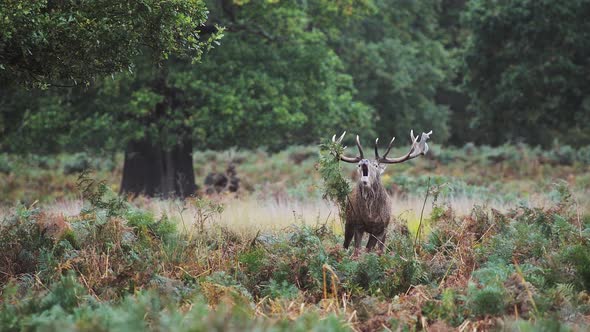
<point x="157" y="172"/>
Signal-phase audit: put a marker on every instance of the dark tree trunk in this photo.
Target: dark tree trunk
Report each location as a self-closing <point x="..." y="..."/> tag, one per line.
<point x="154" y="171"/>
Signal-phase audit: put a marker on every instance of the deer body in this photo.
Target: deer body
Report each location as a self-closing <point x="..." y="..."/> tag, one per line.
<point x="368" y="208"/>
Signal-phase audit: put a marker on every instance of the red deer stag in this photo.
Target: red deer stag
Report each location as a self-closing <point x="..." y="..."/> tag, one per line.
<point x="368" y="207"/>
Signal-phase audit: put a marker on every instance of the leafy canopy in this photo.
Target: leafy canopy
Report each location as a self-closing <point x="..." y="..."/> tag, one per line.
<point x="57" y="42"/>
<point x="398" y="61"/>
<point x="273" y="81"/>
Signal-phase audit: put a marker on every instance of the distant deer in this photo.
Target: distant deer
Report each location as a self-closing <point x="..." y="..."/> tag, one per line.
<point x="219" y="182"/>
<point x="368" y="208"/>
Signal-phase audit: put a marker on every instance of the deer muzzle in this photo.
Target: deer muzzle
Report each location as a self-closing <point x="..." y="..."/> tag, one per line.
<point x="365" y="174"/>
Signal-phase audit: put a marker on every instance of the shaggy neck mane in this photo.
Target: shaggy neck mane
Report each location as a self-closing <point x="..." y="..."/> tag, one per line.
<point x="374" y="191"/>
<point x="372" y="195"/>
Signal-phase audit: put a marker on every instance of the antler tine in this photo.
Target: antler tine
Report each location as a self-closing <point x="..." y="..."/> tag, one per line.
<point x="360" y="147"/>
<point x="416" y="149"/>
<point x="413" y="138"/>
<point x="389" y="148"/>
<point x="421" y="148"/>
<point x="339" y="139"/>
<point x="349" y="159"/>
<point x="376" y="148"/>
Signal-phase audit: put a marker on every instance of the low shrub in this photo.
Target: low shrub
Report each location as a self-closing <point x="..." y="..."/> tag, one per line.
<point x="76" y="163"/>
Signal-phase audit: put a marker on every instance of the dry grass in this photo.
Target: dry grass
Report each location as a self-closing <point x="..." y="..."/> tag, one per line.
<point x="249" y="215"/>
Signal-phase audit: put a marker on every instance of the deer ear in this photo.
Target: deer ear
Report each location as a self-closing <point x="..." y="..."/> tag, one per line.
<point x="382" y="168"/>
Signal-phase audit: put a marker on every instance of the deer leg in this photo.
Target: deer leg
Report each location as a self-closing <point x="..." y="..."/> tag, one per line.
<point x="382" y="242"/>
<point x="358" y="238"/>
<point x="372" y="241"/>
<point x="348" y="233"/>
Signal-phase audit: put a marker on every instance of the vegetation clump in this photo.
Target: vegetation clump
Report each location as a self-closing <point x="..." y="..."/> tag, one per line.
<point x="121" y="259"/>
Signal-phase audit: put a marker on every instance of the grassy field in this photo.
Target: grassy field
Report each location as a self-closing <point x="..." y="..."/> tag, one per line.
<point x="505" y="245"/>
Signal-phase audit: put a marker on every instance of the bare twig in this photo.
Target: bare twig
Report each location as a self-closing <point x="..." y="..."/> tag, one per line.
<point x="421" y="216"/>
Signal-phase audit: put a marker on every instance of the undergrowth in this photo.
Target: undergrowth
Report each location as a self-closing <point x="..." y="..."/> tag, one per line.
<point x="117" y="266"/>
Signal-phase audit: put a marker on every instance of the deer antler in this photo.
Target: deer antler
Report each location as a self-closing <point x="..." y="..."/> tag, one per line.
<point x="419" y="147"/>
<point x="358" y="144"/>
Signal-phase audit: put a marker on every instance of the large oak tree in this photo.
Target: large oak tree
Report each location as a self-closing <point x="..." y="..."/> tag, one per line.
<point x="67" y="42"/>
<point x="272" y="82"/>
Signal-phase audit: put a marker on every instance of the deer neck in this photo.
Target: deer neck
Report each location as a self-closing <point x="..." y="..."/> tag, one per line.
<point x="371" y="192"/>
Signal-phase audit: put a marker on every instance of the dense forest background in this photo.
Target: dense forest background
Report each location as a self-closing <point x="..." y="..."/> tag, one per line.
<point x="160" y="79"/>
<point x="166" y="165"/>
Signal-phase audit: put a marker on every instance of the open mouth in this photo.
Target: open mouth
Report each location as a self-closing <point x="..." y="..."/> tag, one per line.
<point x="365" y="170"/>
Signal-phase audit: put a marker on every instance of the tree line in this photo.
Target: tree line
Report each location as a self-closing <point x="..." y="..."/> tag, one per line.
<point x="157" y="79"/>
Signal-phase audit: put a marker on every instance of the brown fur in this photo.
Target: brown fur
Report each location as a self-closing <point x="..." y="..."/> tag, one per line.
<point x="368" y="210"/>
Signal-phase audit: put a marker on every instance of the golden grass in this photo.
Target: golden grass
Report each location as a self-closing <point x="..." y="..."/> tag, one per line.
<point x="249" y="215"/>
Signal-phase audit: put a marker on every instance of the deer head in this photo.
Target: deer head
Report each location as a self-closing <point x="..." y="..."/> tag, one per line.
<point x="370" y="170"/>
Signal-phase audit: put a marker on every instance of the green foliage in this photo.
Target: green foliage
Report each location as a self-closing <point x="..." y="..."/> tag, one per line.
<point x="336" y="187"/>
<point x="148" y="311"/>
<point x="62" y="299"/>
<point x="206" y="210"/>
<point x="385" y="275"/>
<point x="283" y="290"/>
<point x="78" y="164"/>
<point x="5" y="166"/>
<point x="398" y="62"/>
<point x="47" y="43"/>
<point x="275" y="82"/>
<point x="542" y="325"/>
<point x="102" y="200"/>
<point x="21" y="241"/>
<point x="521" y="240"/>
<point x="527" y="81"/>
<point x="290" y="72"/>
<point x="271" y="84"/>
<point x="131" y="270"/>
<point x="584" y="155"/>
<point x="562" y="154"/>
<point x="369" y="272"/>
<point x="579" y="257"/>
<point x="488" y="300"/>
<point x="146" y="225"/>
<point x="561" y="194"/>
<point x="445" y="307"/>
<point x="67" y="294"/>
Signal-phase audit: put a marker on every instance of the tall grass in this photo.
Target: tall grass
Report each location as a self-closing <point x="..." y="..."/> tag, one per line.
<point x="250" y="214"/>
